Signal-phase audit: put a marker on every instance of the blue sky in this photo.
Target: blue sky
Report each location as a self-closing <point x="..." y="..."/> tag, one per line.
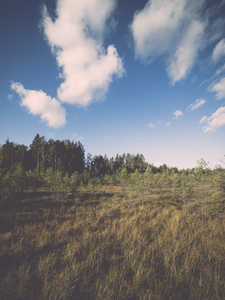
<point x="120" y="76"/>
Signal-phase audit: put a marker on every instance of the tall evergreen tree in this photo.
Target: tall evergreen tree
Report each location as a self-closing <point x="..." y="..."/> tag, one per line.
<point x="37" y="148"/>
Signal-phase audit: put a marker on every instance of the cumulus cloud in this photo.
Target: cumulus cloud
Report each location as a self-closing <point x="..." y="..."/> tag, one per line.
<point x="215" y="121"/>
<point x="76" y="39"/>
<point x="39" y="103"/>
<point x="178" y="114"/>
<point x="198" y="103"/>
<point x="170" y="27"/>
<point x="219" y="51"/>
<point x="219" y="89"/>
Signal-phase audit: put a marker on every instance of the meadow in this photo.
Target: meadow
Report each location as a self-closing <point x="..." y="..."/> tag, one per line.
<point x="114" y="241"/>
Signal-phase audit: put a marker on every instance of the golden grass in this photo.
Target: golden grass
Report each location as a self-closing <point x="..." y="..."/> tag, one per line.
<point x="105" y="246"/>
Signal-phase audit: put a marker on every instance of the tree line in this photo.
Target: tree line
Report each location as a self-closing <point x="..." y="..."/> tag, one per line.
<point x="59" y="167"/>
<point x="26" y="168"/>
<point x="65" y="156"/>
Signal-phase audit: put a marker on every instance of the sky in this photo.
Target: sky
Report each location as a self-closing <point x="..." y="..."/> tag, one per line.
<point x="121" y="76"/>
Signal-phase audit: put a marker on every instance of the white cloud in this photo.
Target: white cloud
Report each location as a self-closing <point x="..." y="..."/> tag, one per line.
<point x="158" y="122"/>
<point x="219" y="51"/>
<point x="219" y="89"/>
<point x="39" y="103"/>
<point x="185" y="56"/>
<point x="153" y="28"/>
<point x="198" y="103"/>
<point x="178" y="114"/>
<point x="77" y="137"/>
<point x="215" y="121"/>
<point x="76" y="39"/>
<point x="151" y="125"/>
<point x="168" y="123"/>
<point x="170" y="27"/>
<point x="10" y="97"/>
<point x="214" y="77"/>
<point x="219" y="71"/>
<point x="203" y="119"/>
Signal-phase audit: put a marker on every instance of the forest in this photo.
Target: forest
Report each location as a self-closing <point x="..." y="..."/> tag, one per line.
<point x="76" y="226"/>
<point x="23" y="169"/>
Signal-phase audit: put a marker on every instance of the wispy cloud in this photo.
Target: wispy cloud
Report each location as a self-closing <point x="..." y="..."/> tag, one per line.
<point x="151" y="125"/>
<point x="77" y="137"/>
<point x="168" y="123"/>
<point x="215" y="121"/>
<point x="198" y="103"/>
<point x="183" y="60"/>
<point x="220" y="70"/>
<point x="171" y="27"/>
<point x="178" y="114"/>
<point x="219" y="89"/>
<point x="219" y="51"/>
<point x="203" y="119"/>
<point x="154" y="27"/>
<point x="76" y="39"/>
<point x="39" y="103"/>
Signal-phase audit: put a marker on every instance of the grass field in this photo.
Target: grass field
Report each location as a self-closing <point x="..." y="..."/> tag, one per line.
<point x="102" y="245"/>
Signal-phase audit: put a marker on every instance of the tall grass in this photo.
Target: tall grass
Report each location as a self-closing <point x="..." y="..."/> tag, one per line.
<point x="103" y="246"/>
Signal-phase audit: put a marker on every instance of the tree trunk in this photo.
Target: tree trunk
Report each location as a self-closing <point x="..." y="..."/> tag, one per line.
<point x="38" y="161"/>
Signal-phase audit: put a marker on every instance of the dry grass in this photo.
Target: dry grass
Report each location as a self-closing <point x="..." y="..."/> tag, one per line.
<point x="104" y="246"/>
